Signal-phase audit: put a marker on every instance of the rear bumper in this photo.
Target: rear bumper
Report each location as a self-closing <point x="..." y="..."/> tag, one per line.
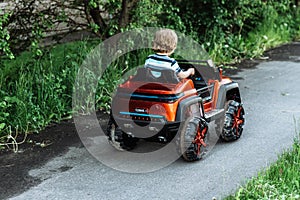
<point x="161" y="130"/>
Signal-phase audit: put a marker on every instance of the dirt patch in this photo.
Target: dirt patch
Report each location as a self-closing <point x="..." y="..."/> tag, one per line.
<point x="14" y="167"/>
<point x="287" y="52"/>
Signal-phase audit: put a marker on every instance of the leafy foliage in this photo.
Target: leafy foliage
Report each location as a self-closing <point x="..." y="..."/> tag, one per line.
<point x="5" y="36"/>
<point x="230" y="29"/>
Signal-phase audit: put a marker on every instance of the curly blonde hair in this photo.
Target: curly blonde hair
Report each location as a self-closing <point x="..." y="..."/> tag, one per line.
<point x="165" y="41"/>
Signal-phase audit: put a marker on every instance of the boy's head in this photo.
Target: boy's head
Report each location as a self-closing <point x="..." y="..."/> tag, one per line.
<point x="165" y="41"/>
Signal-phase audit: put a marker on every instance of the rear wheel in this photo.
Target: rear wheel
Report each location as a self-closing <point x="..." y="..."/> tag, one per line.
<point x="118" y="138"/>
<point x="192" y="139"/>
<point x="231" y="126"/>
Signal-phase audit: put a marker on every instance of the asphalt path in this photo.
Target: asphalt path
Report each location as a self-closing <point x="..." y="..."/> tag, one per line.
<point x="270" y="93"/>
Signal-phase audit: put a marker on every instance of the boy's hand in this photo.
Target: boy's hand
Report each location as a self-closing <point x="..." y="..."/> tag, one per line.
<point x="187" y="73"/>
<point x="192" y="71"/>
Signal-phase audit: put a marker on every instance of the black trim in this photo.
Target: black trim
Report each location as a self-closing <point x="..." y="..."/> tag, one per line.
<point x="169" y="98"/>
<point x="192" y="61"/>
<point x="162" y="59"/>
<point x="185" y="103"/>
<point x="223" y="90"/>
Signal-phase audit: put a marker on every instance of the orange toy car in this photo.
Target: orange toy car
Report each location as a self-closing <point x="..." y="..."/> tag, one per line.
<point x="157" y="106"/>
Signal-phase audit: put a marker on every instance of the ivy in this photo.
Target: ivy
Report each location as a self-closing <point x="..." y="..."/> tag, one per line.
<point x="5" y="36"/>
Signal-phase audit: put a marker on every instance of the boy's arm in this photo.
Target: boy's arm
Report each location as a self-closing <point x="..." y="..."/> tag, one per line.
<point x="187" y="73"/>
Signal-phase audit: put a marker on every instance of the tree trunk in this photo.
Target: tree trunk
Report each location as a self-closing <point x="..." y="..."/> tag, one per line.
<point x="127" y="6"/>
<point x="93" y="15"/>
<point x="124" y="16"/>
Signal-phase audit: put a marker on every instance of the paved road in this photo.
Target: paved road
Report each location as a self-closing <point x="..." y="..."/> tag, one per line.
<point x="271" y="98"/>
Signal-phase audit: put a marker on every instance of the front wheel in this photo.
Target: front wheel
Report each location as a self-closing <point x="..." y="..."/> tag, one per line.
<point x="193" y="140"/>
<point x="234" y="121"/>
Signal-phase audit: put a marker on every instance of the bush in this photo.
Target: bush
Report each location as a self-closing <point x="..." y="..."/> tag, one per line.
<point x="36" y="91"/>
<point x="234" y="30"/>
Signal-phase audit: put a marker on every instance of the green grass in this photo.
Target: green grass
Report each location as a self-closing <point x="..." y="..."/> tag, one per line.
<point x="280" y="181"/>
<point x="37" y="91"/>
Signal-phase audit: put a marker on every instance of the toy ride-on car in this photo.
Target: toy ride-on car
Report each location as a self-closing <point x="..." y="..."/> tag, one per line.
<point x="157" y="106"/>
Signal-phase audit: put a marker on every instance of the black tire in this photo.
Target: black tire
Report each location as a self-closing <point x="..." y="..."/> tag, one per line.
<point x="231" y="126"/>
<point x="192" y="140"/>
<point x="220" y="121"/>
<point x="118" y="138"/>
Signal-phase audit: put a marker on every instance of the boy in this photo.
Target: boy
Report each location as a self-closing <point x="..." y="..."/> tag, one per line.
<point x="164" y="44"/>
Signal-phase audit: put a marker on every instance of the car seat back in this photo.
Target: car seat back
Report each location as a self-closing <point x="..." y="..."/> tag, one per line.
<point x="156" y="74"/>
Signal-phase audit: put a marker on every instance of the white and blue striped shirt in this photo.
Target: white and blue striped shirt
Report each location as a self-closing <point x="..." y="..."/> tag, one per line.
<point x="163" y="61"/>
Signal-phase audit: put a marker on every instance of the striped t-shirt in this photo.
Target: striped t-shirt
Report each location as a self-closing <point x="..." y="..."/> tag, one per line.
<point x="163" y="61"/>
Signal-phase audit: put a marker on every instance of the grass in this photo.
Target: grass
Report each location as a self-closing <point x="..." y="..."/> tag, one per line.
<point x="37" y="91"/>
<point x="280" y="181"/>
